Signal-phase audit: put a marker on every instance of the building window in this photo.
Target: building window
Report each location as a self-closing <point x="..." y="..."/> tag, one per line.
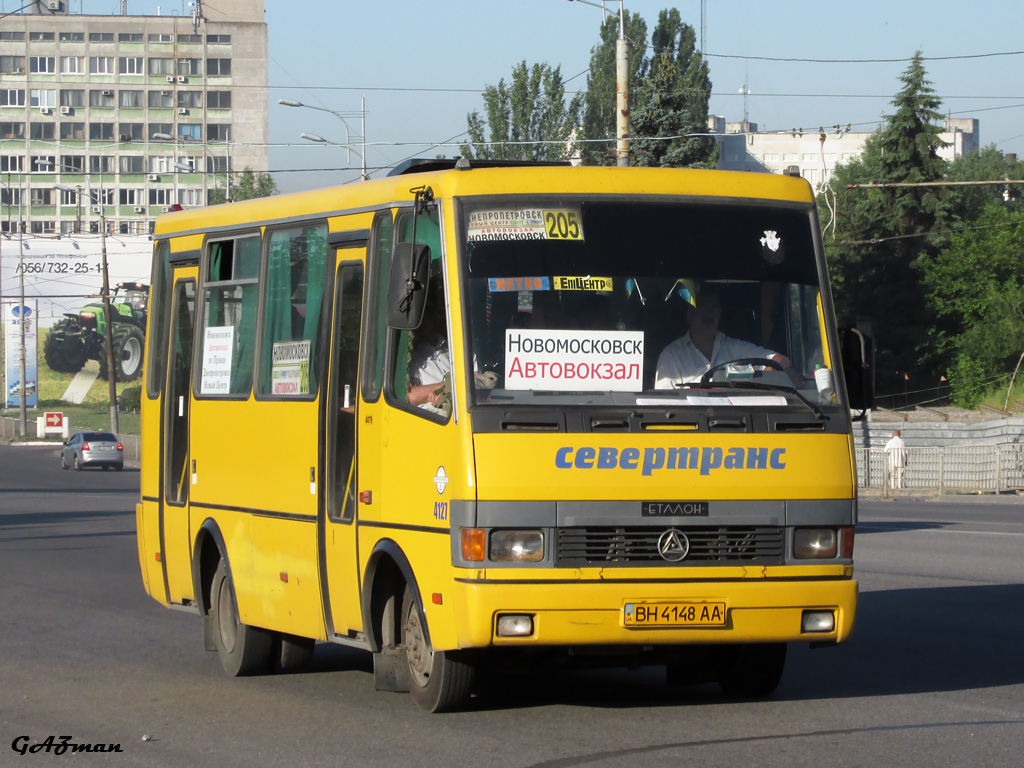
<point x="41" y="36"/>
<point x="218" y="100"/>
<point x="848" y="156"/>
<point x="167" y="129"/>
<point x="42" y="164"/>
<point x="811" y="174"/>
<point x="10" y="196"/>
<point x="131" y="99"/>
<point x="12" y="97"/>
<point x="72" y="65"/>
<point x="12" y="65"/>
<point x="132" y="65"/>
<point x="218" y="67"/>
<point x="190" y="67"/>
<point x="161" y="99"/>
<point x="69" y="196"/>
<point x="160" y="196"/>
<point x="12" y="130"/>
<point x="101" y="131"/>
<point x="42" y="131"/>
<point x="130" y="37"/>
<point x="101" y="196"/>
<point x="72" y="37"/>
<point x="101" y="65"/>
<point x="132" y="164"/>
<point x="809" y="157"/>
<point x="101" y="37"/>
<point x="72" y="131"/>
<point x="831" y="157"/>
<point x="41" y="196"/>
<point x="12" y="163"/>
<point x="72" y="163"/>
<point x="101" y="164"/>
<point x="215" y="132"/>
<point x="13" y="36"/>
<point x="161" y="38"/>
<point x="190" y="132"/>
<point x="161" y="66"/>
<point x="218" y="164"/>
<point x="72" y="98"/>
<point x="131" y="132"/>
<point x="44" y="228"/>
<point x="191" y="197"/>
<point x="132" y="197"/>
<point x="192" y="99"/>
<point x="789" y="157"/>
<point x="69" y="227"/>
<point x="42" y="98"/>
<point x="190" y="39"/>
<point x="42" y="65"/>
<point x="218" y="39"/>
<point x="102" y="99"/>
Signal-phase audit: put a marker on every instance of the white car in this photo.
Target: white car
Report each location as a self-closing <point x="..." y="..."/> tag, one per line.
<point x="92" y="449"/>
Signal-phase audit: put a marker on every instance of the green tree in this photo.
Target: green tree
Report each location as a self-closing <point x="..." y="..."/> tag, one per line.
<point x="887" y="235"/>
<point x="250" y="185"/>
<point x="672" y="107"/>
<point x="527" y="119"/>
<point x="599" y="103"/>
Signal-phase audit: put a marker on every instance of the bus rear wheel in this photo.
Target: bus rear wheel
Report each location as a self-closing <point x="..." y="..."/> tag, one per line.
<point x="243" y="650"/>
<point x="439" y="681"/>
<point x="750" y="671"/>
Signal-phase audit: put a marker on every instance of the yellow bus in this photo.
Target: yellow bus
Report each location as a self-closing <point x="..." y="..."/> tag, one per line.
<point x="480" y="413"/>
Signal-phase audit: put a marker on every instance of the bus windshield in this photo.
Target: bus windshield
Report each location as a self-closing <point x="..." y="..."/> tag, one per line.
<point x="573" y="301"/>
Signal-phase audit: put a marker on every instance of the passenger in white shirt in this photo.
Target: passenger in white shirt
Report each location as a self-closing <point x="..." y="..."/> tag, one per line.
<point x="689" y="357"/>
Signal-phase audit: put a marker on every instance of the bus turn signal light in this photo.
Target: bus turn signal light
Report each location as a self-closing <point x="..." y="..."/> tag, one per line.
<point x="474" y="545"/>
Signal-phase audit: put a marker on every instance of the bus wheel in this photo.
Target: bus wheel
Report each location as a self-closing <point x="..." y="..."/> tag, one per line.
<point x="750" y="671"/>
<point x="243" y="650"/>
<point x="439" y="681"/>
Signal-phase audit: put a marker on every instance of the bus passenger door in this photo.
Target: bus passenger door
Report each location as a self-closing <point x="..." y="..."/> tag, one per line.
<point x="338" y="526"/>
<point x="176" y="546"/>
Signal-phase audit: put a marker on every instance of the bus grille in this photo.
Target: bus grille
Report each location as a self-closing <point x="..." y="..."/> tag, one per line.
<point x="709" y="545"/>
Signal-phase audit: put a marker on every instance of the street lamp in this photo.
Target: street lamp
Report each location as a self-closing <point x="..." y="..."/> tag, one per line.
<point x="348" y="138"/>
<point x="621" y="85"/>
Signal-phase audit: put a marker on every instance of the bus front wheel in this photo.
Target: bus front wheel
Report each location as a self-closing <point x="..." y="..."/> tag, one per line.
<point x="243" y="650"/>
<point x="751" y="670"/>
<point x="439" y="681"/>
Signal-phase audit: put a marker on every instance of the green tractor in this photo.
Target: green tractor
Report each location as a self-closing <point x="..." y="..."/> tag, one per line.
<point x="83" y="336"/>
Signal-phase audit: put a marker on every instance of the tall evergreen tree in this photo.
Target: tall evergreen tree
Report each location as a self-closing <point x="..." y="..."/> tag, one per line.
<point x="599" y="116"/>
<point x="527" y="119"/>
<point x="671" y="118"/>
<point x="889" y="233"/>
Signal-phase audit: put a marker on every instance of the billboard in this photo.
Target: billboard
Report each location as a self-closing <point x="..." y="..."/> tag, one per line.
<point x="14" y="315"/>
<point x="63" y="274"/>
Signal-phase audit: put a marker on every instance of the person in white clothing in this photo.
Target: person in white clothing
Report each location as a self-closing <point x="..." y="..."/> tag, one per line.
<point x="896" y="460"/>
<point x="689" y="357"/>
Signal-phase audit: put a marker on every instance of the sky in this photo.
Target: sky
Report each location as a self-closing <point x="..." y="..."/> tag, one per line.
<point x="421" y="66"/>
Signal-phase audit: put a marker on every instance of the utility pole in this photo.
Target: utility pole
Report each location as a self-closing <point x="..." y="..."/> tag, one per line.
<point x="622" y="94"/>
<point x="109" y="334"/>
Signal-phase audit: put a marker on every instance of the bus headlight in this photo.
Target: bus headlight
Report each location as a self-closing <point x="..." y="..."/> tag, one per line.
<point x="815" y="543"/>
<point x="517" y="546"/>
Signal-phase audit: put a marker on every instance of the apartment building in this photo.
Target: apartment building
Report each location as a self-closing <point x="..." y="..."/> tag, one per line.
<point x="117" y="118"/>
<point x="815" y="155"/>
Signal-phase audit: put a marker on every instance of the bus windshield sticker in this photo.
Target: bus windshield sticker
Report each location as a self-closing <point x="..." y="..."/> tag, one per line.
<point x="525" y="224"/>
<point x="583" y="283"/>
<point x="571" y="360"/>
<point x="291" y="368"/>
<point x="499" y="284"/>
<point x="218" y="346"/>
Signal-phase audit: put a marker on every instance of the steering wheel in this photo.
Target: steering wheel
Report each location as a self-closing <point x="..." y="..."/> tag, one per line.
<point x="741" y="361"/>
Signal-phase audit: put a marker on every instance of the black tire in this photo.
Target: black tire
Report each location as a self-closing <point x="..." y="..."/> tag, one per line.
<point x="291" y="653"/>
<point x="63" y="461"/>
<point x="78" y="464"/>
<point x="243" y="650"/>
<point x="439" y="681"/>
<point x="750" y="671"/>
<point x="129" y="347"/>
<point x="63" y="355"/>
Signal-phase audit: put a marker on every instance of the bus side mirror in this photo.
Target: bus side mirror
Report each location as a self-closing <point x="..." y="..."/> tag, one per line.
<point x="407" y="286"/>
<point x="858" y="370"/>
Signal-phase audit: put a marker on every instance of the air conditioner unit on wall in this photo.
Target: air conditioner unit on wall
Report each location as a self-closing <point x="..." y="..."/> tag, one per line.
<point x="106" y="93"/>
<point x="182" y="111"/>
<point x="65" y="110"/>
<point x="45" y="110"/>
<point x="182" y="79"/>
<point x="153" y="177"/>
<point x="166" y="208"/>
<point x="139" y="209"/>
<point x="53" y="5"/>
<point x="170" y="78"/>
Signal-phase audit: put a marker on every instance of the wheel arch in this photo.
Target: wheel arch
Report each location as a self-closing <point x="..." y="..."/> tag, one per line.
<point x="209" y="549"/>
<point x="388" y="572"/>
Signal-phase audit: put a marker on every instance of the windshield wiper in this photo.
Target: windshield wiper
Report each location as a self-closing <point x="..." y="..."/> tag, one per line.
<point x="818" y="413"/>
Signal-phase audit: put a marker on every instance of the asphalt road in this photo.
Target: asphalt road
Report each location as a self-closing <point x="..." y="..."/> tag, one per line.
<point x="934" y="674"/>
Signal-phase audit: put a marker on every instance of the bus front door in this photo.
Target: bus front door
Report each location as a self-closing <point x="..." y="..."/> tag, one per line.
<point x="338" y="530"/>
<point x="176" y="543"/>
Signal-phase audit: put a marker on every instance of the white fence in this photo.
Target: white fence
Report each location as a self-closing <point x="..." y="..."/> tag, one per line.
<point x="948" y="469"/>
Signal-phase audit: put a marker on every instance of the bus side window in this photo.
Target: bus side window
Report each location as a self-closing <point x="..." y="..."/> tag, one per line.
<point x="295" y="279"/>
